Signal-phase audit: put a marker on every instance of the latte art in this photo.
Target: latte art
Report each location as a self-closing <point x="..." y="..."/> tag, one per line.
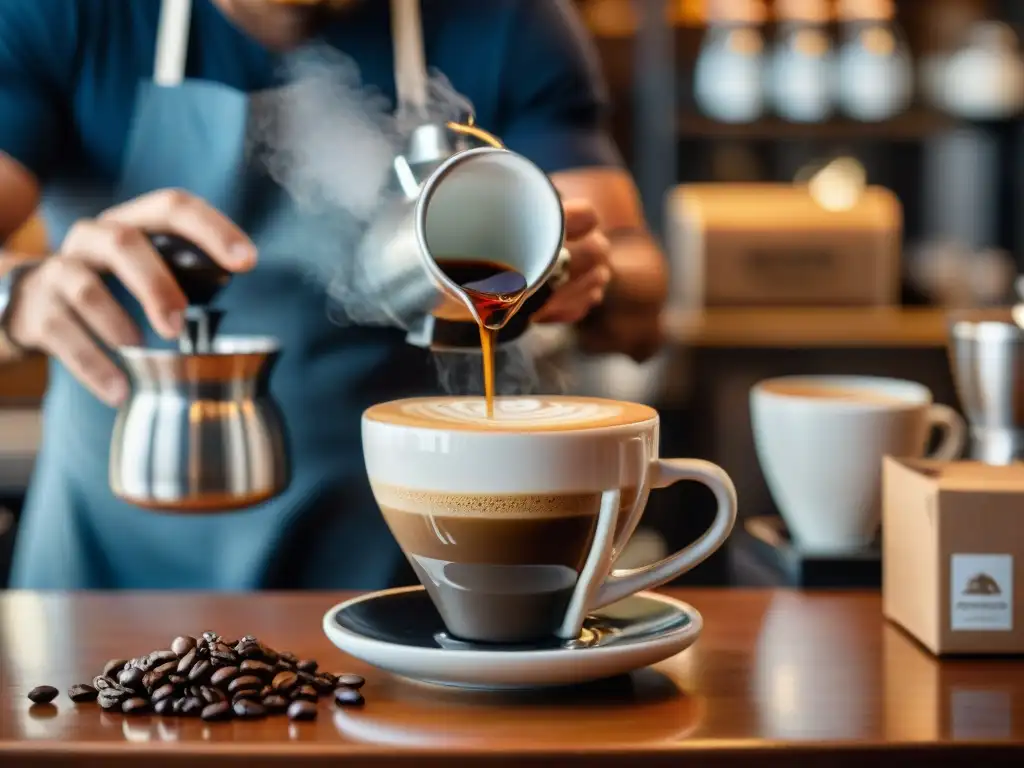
<point x="513" y="413"/>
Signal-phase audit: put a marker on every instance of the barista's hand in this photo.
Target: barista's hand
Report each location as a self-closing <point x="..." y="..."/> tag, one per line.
<point x="63" y="304"/>
<point x="589" y="270"/>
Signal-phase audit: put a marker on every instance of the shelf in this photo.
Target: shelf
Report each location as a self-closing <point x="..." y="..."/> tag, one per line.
<point x="913" y="125"/>
<point x="810" y="328"/>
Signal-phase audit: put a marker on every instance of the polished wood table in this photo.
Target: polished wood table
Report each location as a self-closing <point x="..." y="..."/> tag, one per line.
<point x="779" y="678"/>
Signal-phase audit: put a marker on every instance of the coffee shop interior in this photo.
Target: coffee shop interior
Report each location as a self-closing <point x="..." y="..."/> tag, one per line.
<point x="830" y="182"/>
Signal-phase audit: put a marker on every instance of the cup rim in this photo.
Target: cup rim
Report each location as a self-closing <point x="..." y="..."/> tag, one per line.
<point x="512" y="429"/>
<point x="223" y="346"/>
<point x="880" y="384"/>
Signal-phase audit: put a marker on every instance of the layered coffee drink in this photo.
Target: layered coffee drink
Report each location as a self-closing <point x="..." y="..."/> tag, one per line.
<point x="500" y="564"/>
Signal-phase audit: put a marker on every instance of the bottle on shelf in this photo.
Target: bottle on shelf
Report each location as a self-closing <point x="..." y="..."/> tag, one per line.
<point x="876" y="80"/>
<point x="728" y="79"/>
<point x="802" y="62"/>
<point x="983" y="79"/>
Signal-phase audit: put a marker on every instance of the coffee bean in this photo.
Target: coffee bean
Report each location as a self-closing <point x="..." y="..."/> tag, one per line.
<point x="258" y="668"/>
<point x="182" y="645"/>
<point x="43" y="694"/>
<point x="112" y="667"/>
<point x="192" y="706"/>
<point x="223" y="656"/>
<point x="290" y="658"/>
<point x="211" y="637"/>
<point x="100" y="682"/>
<point x="224" y="675"/>
<point x="309" y="665"/>
<point x="162" y="657"/>
<point x="324" y="683"/>
<point x="269" y="655"/>
<point x="248" y="709"/>
<point x="163" y="707"/>
<point x="178" y="705"/>
<point x="164" y="692"/>
<point x="348" y="697"/>
<point x="350" y="681"/>
<point x="248" y="639"/>
<point x="116" y="693"/>
<point x="284" y="666"/>
<point x="212" y="695"/>
<point x="284" y="682"/>
<point x="302" y="710"/>
<point x="275" y="704"/>
<point x="109" y="702"/>
<point x="220" y="710"/>
<point x="229" y="643"/>
<point x="200" y="671"/>
<point x="135" y="706"/>
<point x="175" y="679"/>
<point x="306" y="692"/>
<point x="131" y="679"/>
<point x="81" y="694"/>
<point x="266" y="690"/>
<point x="244" y="682"/>
<point x="144" y="663"/>
<point x="249" y="651"/>
<point x="306" y="678"/>
<point x="186" y="662"/>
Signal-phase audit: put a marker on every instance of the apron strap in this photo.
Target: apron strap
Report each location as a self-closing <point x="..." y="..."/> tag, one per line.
<point x="172" y="42"/>
<point x="410" y="62"/>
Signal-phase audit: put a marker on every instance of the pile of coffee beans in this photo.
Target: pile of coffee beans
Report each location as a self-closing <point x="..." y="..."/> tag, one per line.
<point x="215" y="679"/>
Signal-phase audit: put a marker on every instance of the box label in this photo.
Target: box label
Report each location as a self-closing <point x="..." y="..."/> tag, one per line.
<point x="981" y="593"/>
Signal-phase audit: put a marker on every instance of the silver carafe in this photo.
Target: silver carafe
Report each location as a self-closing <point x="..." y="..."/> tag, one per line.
<point x="199" y="431"/>
<point x="452" y="200"/>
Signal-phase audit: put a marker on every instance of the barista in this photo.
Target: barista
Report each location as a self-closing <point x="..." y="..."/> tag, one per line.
<point x="73" y="117"/>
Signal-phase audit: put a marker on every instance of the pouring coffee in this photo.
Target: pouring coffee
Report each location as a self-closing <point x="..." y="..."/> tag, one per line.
<point x="468" y="247"/>
<point x="199" y="431"/>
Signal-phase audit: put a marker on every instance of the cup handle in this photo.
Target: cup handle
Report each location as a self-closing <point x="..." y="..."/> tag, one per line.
<point x="591" y="593"/>
<point x="954" y="431"/>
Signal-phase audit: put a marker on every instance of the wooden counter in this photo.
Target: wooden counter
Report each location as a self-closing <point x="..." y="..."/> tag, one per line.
<point x="779" y="678"/>
<point x="809" y="328"/>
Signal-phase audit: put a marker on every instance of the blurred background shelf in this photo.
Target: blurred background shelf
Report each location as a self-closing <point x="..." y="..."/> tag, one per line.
<point x="914" y="125"/>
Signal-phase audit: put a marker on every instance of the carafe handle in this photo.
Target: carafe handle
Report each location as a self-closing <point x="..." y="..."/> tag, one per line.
<point x="200" y="277"/>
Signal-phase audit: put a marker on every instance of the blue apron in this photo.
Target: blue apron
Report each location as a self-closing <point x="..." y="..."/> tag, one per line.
<point x="325" y="531"/>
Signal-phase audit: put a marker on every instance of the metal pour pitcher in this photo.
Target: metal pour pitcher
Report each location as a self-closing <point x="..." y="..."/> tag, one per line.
<point x="199" y="432"/>
<point x="451" y="201"/>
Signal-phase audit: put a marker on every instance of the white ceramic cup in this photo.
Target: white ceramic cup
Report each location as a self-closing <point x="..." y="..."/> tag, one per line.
<point x="820" y="441"/>
<point x="522" y="451"/>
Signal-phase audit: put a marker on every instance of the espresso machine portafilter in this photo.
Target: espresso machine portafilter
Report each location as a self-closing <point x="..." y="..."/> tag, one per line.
<point x="199" y="431"/>
<point x="986" y="350"/>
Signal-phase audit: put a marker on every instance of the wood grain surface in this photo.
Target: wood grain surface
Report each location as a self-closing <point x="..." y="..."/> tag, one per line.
<point x="778" y="678"/>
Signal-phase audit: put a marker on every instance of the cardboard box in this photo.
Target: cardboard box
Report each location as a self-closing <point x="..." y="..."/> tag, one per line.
<point x="953" y="554"/>
<point x="757" y="245"/>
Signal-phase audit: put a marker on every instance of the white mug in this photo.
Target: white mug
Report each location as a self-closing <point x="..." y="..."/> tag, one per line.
<point x="820" y="442"/>
<point x="442" y="472"/>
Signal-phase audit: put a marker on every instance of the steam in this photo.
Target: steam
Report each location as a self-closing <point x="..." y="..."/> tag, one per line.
<point x="329" y="142"/>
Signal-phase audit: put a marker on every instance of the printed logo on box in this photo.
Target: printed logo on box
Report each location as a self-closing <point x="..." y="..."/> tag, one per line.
<point x="981" y="593"/>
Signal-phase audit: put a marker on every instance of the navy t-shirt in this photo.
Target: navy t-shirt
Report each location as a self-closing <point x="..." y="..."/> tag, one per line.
<point x="69" y="75"/>
<point x="69" y="71"/>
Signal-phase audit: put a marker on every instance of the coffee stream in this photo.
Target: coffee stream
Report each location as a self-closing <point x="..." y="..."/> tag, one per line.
<point x="496" y="292"/>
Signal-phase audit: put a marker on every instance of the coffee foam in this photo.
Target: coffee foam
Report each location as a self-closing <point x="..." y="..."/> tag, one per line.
<point x="528" y="414"/>
<point x="525" y="506"/>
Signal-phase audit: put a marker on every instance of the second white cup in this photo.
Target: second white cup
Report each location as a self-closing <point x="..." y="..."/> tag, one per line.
<point x="820" y="442"/>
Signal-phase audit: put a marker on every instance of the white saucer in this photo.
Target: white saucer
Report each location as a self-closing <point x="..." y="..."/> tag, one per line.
<point x="399" y="630"/>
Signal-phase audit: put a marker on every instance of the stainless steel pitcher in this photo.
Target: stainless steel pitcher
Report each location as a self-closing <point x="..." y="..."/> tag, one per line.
<point x="451" y="200"/>
<point x="199" y="431"/>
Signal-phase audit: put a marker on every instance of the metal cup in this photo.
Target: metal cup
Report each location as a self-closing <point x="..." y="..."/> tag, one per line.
<point x="986" y="351"/>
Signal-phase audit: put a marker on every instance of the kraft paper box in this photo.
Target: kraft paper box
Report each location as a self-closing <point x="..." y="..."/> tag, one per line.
<point x="953" y="554"/>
